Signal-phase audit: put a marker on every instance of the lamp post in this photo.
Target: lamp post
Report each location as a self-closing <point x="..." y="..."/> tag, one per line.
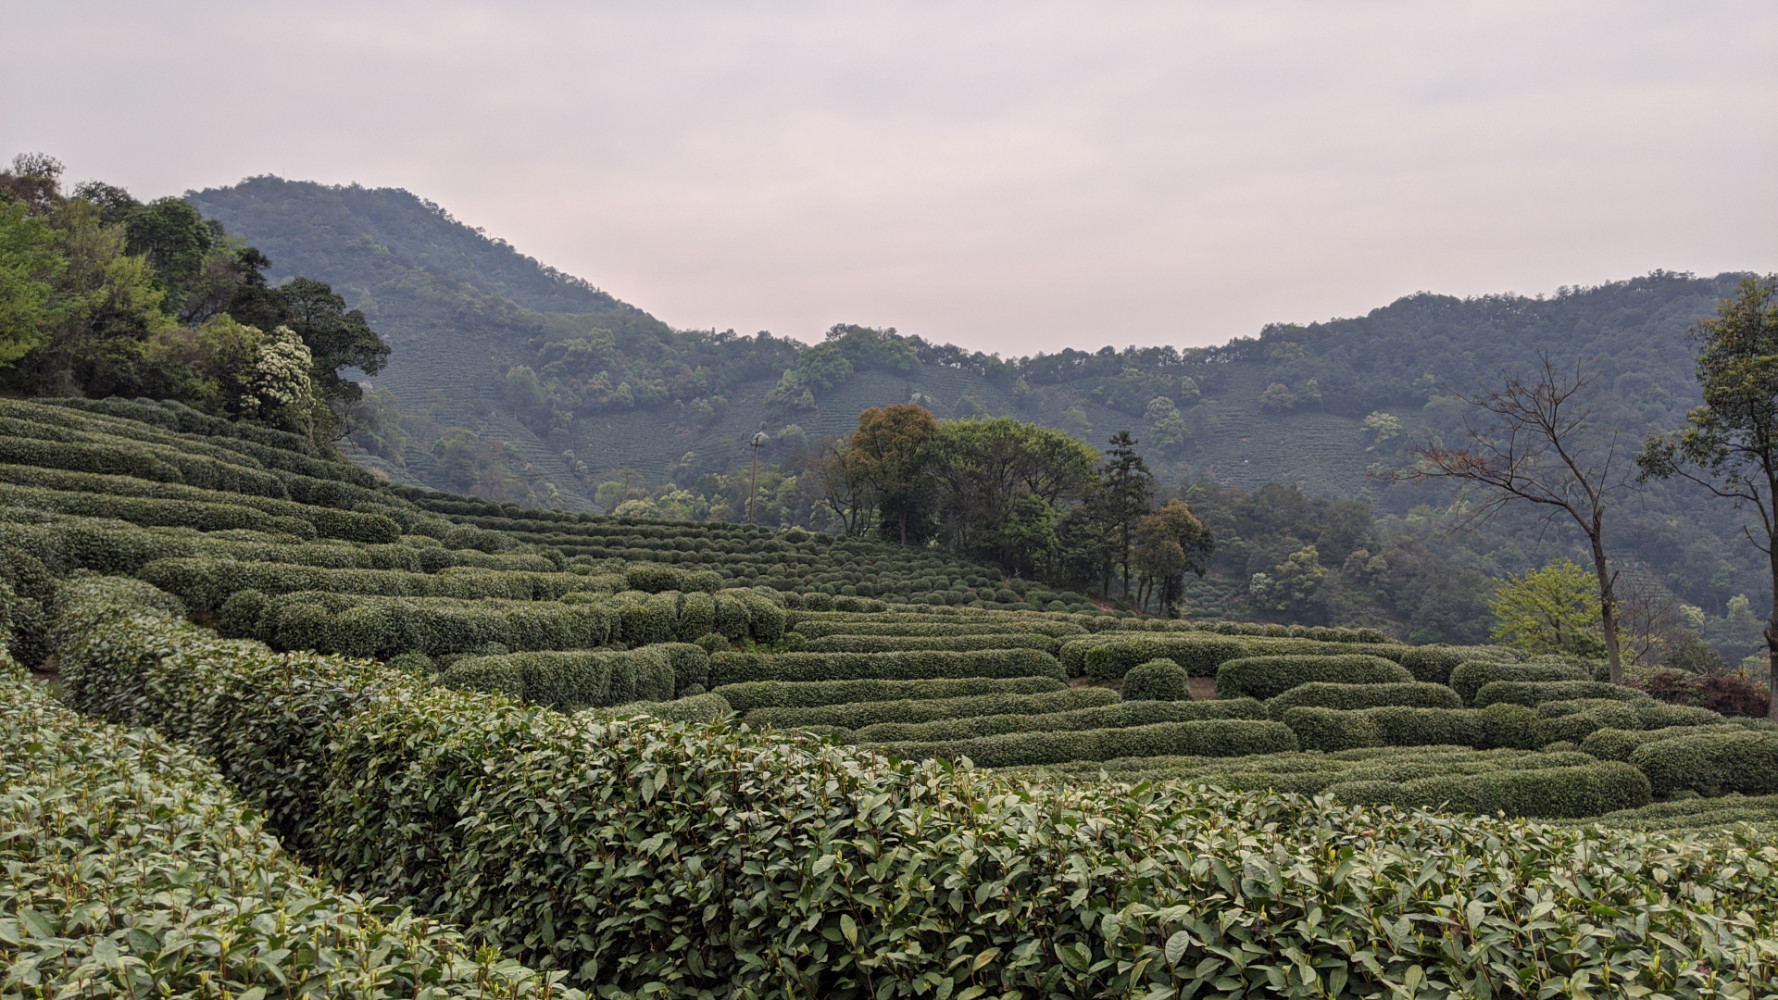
<point x="753" y="488"/>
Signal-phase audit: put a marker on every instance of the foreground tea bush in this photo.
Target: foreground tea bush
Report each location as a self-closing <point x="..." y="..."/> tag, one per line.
<point x="686" y="860"/>
<point x="130" y="868"/>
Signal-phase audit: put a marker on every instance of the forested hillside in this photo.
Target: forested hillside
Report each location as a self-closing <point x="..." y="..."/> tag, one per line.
<point x="516" y="382"/>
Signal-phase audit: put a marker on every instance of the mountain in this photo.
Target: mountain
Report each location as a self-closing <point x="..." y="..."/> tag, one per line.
<point x="516" y="381"/>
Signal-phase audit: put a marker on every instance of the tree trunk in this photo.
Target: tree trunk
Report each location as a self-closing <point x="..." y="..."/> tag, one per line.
<point x="1607" y="609"/>
<point x="1772" y="652"/>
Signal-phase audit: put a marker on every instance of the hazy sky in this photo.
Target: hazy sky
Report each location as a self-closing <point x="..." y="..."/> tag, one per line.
<point x="1009" y="176"/>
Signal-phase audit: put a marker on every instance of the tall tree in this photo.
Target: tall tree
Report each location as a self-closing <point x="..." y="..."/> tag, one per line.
<point x="1540" y="446"/>
<point x="1730" y="444"/>
<point x="888" y="453"/>
<point x="1171" y="542"/>
<point x="1125" y="494"/>
<point x="981" y="470"/>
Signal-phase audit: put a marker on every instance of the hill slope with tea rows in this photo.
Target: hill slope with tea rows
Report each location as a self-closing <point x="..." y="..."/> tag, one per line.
<point x="701" y="745"/>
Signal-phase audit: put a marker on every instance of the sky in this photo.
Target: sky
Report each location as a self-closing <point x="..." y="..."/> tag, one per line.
<point x="1008" y="176"/>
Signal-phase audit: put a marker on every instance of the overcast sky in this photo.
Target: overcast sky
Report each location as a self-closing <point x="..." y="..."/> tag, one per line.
<point x="1012" y="176"/>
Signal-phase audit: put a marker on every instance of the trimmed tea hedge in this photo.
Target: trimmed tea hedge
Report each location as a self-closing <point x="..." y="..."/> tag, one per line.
<point x="1435" y="664"/>
<point x="643" y="852"/>
<point x="1711" y="761"/>
<point x="960" y="643"/>
<point x="1130" y="713"/>
<point x="1553" y="793"/>
<point x="749" y="696"/>
<point x="131" y="868"/>
<point x="1618" y="744"/>
<point x="569" y="681"/>
<point x="1108" y="657"/>
<point x="1534" y="693"/>
<point x="860" y="714"/>
<point x="816" y="626"/>
<point x="1501" y="726"/>
<point x="204" y="584"/>
<point x="1470" y="677"/>
<point x="735" y="668"/>
<point x="1157" y="680"/>
<point x="1326" y="694"/>
<point x="1266" y="677"/>
<point x="1202" y="738"/>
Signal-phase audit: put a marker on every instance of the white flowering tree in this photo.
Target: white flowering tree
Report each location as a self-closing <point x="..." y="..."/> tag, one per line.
<point x="280" y="392"/>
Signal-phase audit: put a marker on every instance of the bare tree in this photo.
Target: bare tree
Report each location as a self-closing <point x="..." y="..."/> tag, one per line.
<point x="1650" y="622"/>
<point x="1539" y="445"/>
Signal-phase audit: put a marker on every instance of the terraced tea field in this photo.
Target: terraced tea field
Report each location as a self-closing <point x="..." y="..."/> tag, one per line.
<point x="708" y="759"/>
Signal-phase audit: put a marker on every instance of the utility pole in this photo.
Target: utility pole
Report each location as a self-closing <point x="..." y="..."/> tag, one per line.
<point x="753" y="488"/>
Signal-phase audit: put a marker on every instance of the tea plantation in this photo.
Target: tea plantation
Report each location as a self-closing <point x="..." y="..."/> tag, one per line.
<point x="308" y="735"/>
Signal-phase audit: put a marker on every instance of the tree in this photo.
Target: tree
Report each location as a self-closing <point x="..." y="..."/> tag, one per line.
<point x="888" y="453"/>
<point x="1126" y="491"/>
<point x="1541" y="447"/>
<point x="29" y="266"/>
<point x="1730" y="444"/>
<point x="1171" y="542"/>
<point x="1550" y="610"/>
<point x="981" y="469"/>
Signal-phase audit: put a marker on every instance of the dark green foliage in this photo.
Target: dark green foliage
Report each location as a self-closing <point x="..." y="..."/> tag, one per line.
<point x="1266" y="677"/>
<point x="816" y="626"/>
<point x="1114" y="716"/>
<point x="416" y="663"/>
<point x="1324" y="694"/>
<point x="1108" y="656"/>
<point x="735" y="668"/>
<point x="431" y="790"/>
<point x="960" y="643"/>
<point x="568" y="681"/>
<point x="1434" y="664"/>
<point x="1535" y="693"/>
<point x="205" y="584"/>
<point x="1470" y="676"/>
<point x="1157" y="680"/>
<point x="1617" y="744"/>
<point x="861" y="714"/>
<point x="1203" y="738"/>
<point x="1711" y="761"/>
<point x="701" y="707"/>
<point x="1553" y="793"/>
<point x="147" y="832"/>
<point x="1497" y="727"/>
<point x="749" y="696"/>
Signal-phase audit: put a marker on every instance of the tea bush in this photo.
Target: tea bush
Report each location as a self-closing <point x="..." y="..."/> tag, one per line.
<point x="1534" y="693"/>
<point x="631" y="853"/>
<point x="1435" y="664"/>
<point x="1555" y="793"/>
<point x="749" y="696"/>
<point x="1470" y="677"/>
<point x="1711" y="761"/>
<point x="1200" y="738"/>
<point x="959" y="643"/>
<point x="860" y="714"/>
<point x="1266" y="677"/>
<point x="735" y="668"/>
<point x="1116" y="716"/>
<point x="1327" y="694"/>
<point x="1157" y="680"/>
<point x="131" y="868"/>
<point x="570" y="681"/>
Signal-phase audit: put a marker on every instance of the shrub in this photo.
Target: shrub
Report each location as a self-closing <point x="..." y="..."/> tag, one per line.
<point x="1618" y="744"/>
<point x="603" y="847"/>
<point x="1435" y="664"/>
<point x="1533" y="693"/>
<point x="1266" y="677"/>
<point x="1469" y="677"/>
<point x="1551" y="793"/>
<point x="1332" y="730"/>
<point x="129" y="857"/>
<point x="702" y="707"/>
<point x="889" y="625"/>
<point x="570" y="680"/>
<point x="1325" y="694"/>
<point x="892" y="643"/>
<point x="1113" y="716"/>
<point x="1203" y="738"/>
<point x="418" y="664"/>
<point x="387" y="626"/>
<point x="749" y="696"/>
<point x="862" y="714"/>
<point x="1157" y="680"/>
<point x="1200" y="653"/>
<point x="733" y="668"/>
<point x="1725" y="695"/>
<point x="1711" y="761"/>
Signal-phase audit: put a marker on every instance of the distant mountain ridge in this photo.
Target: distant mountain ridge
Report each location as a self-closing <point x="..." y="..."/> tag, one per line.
<point x="562" y="385"/>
